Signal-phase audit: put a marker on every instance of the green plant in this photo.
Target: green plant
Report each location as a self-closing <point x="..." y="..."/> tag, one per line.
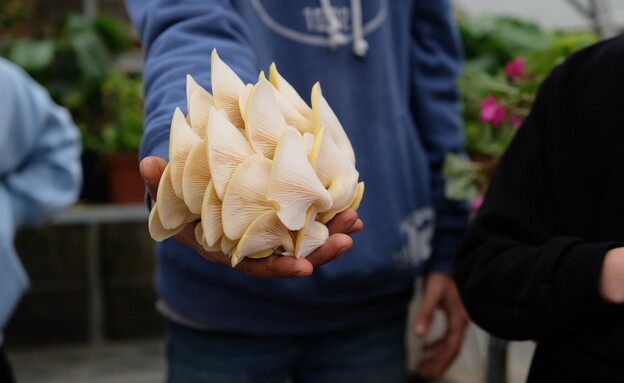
<point x="506" y="61"/>
<point x="122" y="125"/>
<point x="74" y="60"/>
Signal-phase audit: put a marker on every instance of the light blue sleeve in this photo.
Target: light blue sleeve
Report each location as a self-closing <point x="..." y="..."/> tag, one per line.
<point x="40" y="171"/>
<point x="436" y="63"/>
<point x="178" y="38"/>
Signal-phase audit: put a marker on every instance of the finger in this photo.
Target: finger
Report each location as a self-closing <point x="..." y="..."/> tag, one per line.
<point x="432" y="295"/>
<point x="357" y="226"/>
<point x="436" y="360"/>
<point x="439" y="354"/>
<point x="151" y="169"/>
<point x="342" y="222"/>
<point x="336" y="244"/>
<point x="424" y="316"/>
<point x="433" y="369"/>
<point x="431" y="345"/>
<point x="457" y="317"/>
<point x="275" y="266"/>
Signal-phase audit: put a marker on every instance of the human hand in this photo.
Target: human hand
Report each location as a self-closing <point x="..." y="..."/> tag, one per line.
<point x="440" y="291"/>
<point x="611" y="283"/>
<point x="273" y="266"/>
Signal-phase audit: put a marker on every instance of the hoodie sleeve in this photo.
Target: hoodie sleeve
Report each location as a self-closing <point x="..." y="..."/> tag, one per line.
<point x="519" y="276"/>
<point x="436" y="64"/>
<point x="41" y="171"/>
<point x="178" y="38"/>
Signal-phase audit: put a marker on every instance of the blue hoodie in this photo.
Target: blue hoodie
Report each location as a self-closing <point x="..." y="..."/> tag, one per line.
<point x="40" y="171"/>
<point x="388" y="70"/>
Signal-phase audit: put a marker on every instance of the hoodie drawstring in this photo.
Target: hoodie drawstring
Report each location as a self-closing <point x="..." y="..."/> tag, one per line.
<point x="336" y="37"/>
<point x="360" y="45"/>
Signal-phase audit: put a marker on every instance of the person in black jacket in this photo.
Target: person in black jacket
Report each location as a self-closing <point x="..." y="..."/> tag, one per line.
<point x="544" y="257"/>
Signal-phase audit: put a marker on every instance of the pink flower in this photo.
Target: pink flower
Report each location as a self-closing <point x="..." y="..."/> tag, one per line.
<point x="491" y="112"/>
<point x="476" y="203"/>
<point x="499" y="116"/>
<point x="488" y="101"/>
<point x="515" y="121"/>
<point x="514" y="68"/>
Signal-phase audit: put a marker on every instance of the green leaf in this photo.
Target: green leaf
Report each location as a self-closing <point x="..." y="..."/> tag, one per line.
<point x="112" y="33"/>
<point x="92" y="55"/>
<point x="461" y="178"/>
<point x="33" y="56"/>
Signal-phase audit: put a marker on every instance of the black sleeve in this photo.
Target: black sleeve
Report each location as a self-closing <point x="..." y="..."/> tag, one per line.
<point x="520" y="277"/>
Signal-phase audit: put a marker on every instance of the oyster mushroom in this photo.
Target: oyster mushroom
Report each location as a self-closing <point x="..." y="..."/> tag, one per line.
<point x="198" y="104"/>
<point x="246" y="195"/>
<point x="323" y="115"/>
<point x="211" y="217"/>
<point x="296" y="111"/>
<point x="311" y="236"/>
<point x="334" y="170"/>
<point x="172" y="211"/>
<point x="265" y="234"/>
<point x="181" y="140"/>
<point x="264" y="123"/>
<point x="157" y="230"/>
<point x="226" y="89"/>
<point x="196" y="176"/>
<point x="293" y="183"/>
<point x="227" y="149"/>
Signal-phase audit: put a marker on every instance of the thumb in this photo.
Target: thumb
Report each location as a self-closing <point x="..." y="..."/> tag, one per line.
<point x="151" y="170"/>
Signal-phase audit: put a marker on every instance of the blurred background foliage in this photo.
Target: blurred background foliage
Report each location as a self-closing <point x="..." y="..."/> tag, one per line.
<point x="73" y="57"/>
<point x="506" y="59"/>
<point x="77" y="59"/>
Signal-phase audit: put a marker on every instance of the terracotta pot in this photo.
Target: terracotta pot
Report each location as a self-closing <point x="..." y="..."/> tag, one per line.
<point x="125" y="184"/>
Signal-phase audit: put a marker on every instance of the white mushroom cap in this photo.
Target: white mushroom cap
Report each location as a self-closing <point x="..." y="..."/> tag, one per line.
<point x="198" y="104"/>
<point x="226" y="89"/>
<point x="246" y="195"/>
<point x="181" y="140"/>
<point x="294" y="185"/>
<point x="227" y="149"/>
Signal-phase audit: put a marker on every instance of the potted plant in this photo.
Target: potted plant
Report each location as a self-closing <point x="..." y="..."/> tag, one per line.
<point x="119" y="137"/>
<point x="74" y="60"/>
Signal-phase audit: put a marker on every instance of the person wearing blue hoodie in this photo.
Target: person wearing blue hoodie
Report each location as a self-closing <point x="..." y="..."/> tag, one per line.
<point x="388" y="70"/>
<point x="40" y="174"/>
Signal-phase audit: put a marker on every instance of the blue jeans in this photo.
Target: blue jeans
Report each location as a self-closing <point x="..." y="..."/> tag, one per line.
<point x="372" y="353"/>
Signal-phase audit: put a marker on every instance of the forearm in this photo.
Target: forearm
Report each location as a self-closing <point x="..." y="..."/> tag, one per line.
<point x="521" y="291"/>
<point x="41" y="171"/>
<point x="178" y="40"/>
<point x="436" y="57"/>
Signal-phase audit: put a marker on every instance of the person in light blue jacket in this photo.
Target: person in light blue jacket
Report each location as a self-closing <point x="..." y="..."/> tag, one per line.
<point x="40" y="174"/>
<point x="388" y="69"/>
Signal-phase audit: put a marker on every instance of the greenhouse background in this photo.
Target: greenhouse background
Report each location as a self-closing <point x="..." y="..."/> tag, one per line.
<point x="89" y="316"/>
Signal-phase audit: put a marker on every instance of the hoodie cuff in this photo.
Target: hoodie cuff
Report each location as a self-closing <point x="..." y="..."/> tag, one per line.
<point x="444" y="250"/>
<point x="577" y="298"/>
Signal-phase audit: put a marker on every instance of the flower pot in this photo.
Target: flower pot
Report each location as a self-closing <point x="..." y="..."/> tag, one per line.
<point x="125" y="184"/>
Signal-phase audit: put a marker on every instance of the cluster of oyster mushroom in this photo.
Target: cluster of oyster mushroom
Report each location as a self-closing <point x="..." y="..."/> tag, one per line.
<point x="261" y="170"/>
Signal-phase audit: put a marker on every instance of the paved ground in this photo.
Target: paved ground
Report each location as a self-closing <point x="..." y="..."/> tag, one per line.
<point x="143" y="362"/>
<point x="127" y="362"/>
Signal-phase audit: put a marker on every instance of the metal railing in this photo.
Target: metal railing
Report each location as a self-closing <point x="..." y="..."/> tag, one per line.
<point x="93" y="216"/>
